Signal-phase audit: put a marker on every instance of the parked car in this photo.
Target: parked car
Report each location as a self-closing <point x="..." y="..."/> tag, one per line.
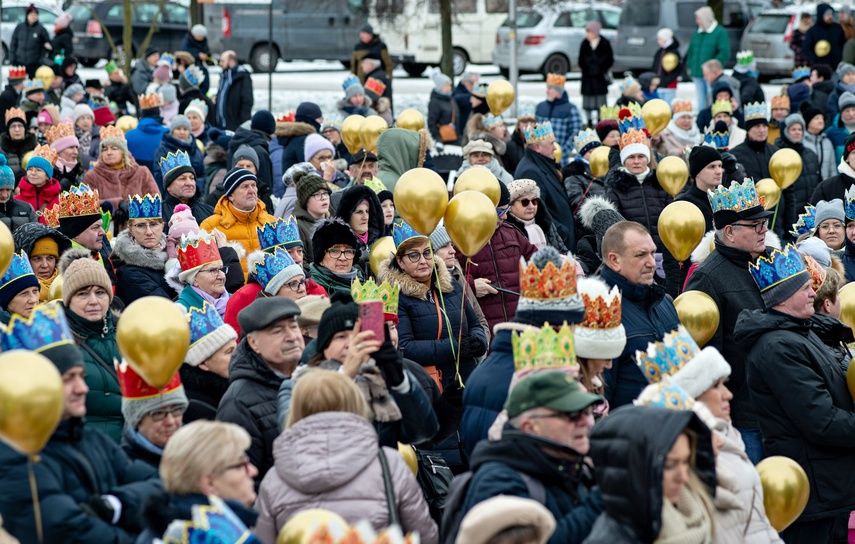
<point x="91" y="45"/>
<point x="549" y="37"/>
<point x="15" y="13"/>
<point x="635" y="43"/>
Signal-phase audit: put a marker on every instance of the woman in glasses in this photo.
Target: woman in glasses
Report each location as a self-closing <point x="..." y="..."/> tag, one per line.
<point x="830" y="223"/>
<point x="530" y="218"/>
<point x="360" y="208"/>
<point x="335" y="249"/>
<point x="203" y="275"/>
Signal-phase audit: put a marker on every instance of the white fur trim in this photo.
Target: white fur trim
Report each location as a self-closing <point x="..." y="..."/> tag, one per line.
<point x="704" y="249"/>
<point x="634" y="149"/>
<point x="592" y="206"/>
<point x="702" y="372"/>
<point x="772" y="239"/>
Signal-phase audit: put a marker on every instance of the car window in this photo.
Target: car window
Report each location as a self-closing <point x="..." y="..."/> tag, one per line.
<point x="13" y="15"/>
<point x="770" y="24"/>
<point x="175" y="14"/>
<point x="145" y="13"/>
<point x="640" y="13"/>
<point x="457" y="6"/>
<point x="686" y="14"/>
<point x="526" y="19"/>
<point x="46" y="17"/>
<point x="115" y="13"/>
<point x="582" y="17"/>
<point x="501" y="6"/>
<point x="609" y="19"/>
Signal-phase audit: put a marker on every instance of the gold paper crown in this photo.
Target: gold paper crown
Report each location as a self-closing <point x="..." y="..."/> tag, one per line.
<point x="544" y="349"/>
<point x="607" y="112"/>
<point x="547" y="284"/>
<point x="79" y="201"/>
<point x="602" y="312"/>
<point x="51" y="216"/>
<point x="781" y="103"/>
<point x="556" y="80"/>
<point x="56" y="132"/>
<point x="15" y="113"/>
<point x="149" y="101"/>
<point x="385" y="292"/>
<point x="45" y="152"/>
<point x="722" y="106"/>
<point x="635" y="109"/>
<point x="634" y="136"/>
<point x="112" y="131"/>
<point x="681" y="106"/>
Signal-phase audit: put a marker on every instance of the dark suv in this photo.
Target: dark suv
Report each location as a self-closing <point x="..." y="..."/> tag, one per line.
<point x="91" y="44"/>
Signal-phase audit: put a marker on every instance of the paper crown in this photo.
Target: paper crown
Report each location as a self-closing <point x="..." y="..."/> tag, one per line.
<point x="149" y="101"/>
<point x="96" y="102"/>
<point x="716" y="139"/>
<point x="212" y="523"/>
<point x="538" y="133"/>
<point x="806" y="222"/>
<point x="609" y="112"/>
<point x="816" y="271"/>
<point x="111" y="67"/>
<point x="665" y="394"/>
<point x="194" y="75"/>
<point x="634" y="137"/>
<point x="198" y="104"/>
<point x="375" y="86"/>
<point x="629" y="120"/>
<point x="57" y="132"/>
<point x="626" y="83"/>
<point x="203" y="321"/>
<point x="17" y="72"/>
<point x="51" y="216"/>
<point x="738" y="198"/>
<point x="112" y="131"/>
<point x="287" y="117"/>
<point x="33" y="86"/>
<point x="602" y="312"/>
<point x="197" y="250"/>
<point x="332" y="120"/>
<point x="489" y="121"/>
<point x="277" y="233"/>
<point x="780" y="266"/>
<point x="849" y="203"/>
<point x="548" y="289"/>
<point x="544" y="349"/>
<point x="526" y="111"/>
<point x="681" y="106"/>
<point x="18" y="268"/>
<point x="45" y="152"/>
<point x="721" y="106"/>
<point x="744" y="58"/>
<point x="78" y="201"/>
<point x="585" y="138"/>
<point x="47" y="327"/>
<point x="271" y="263"/>
<point x="144" y="207"/>
<point x="133" y="387"/>
<point x="780" y="102"/>
<point x="402" y="232"/>
<point x="385" y="292"/>
<point x="754" y="111"/>
<point x="173" y="160"/>
<point x="801" y="72"/>
<point x="349" y="82"/>
<point x="556" y="80"/>
<point x="166" y="58"/>
<point x="14" y="113"/>
<point x="479" y="90"/>
<point x="668" y="356"/>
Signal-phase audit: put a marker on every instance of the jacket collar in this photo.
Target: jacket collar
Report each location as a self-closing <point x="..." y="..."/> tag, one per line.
<point x="129" y="252"/>
<point x="230" y="216"/>
<point x="248" y="365"/>
<point x="648" y="295"/>
<point x="737" y="256"/>
<point x="411" y="287"/>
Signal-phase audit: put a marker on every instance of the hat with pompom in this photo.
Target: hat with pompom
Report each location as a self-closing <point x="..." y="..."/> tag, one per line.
<point x="7" y="177"/>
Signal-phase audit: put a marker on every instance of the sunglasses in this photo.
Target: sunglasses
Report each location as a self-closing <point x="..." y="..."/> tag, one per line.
<point x="527" y="201"/>
<point x="503" y="211"/>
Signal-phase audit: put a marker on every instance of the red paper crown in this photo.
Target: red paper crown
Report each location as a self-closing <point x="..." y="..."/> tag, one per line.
<point x="57" y="132"/>
<point x="18" y="72"/>
<point x="135" y="388"/>
<point x="288" y="117"/>
<point x="376" y="86"/>
<point x="51" y="216"/>
<point x="602" y="312"/>
<point x="196" y="252"/>
<point x="817" y="272"/>
<point x="46" y="152"/>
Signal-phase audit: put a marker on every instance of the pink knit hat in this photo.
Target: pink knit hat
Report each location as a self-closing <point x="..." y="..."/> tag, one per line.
<point x="181" y="222"/>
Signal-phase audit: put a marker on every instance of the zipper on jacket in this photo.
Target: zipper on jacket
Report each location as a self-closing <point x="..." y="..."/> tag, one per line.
<point x="646" y="211"/>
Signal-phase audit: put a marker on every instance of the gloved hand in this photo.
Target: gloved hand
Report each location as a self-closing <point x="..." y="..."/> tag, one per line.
<point x="98" y="507"/>
<point x="453" y="394"/>
<point x="389" y="361"/>
<point x="729" y="162"/>
<point x="472" y="346"/>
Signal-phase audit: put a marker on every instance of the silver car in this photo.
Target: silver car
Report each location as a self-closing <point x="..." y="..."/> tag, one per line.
<point x="548" y="38"/>
<point x="15" y="13"/>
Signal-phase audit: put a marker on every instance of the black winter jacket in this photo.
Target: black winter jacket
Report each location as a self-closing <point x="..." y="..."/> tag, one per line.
<point x="250" y="401"/>
<point x="236" y="107"/>
<point x="749" y="89"/>
<point x="63" y="43"/>
<point x="835" y="334"/>
<point x="204" y="390"/>
<point x="15" y="151"/>
<point x="9" y="98"/>
<point x="27" y="47"/>
<point x="514" y="151"/>
<point x="259" y="142"/>
<point x="350" y="199"/>
<point x="814" y="423"/>
<point x="553" y="196"/>
<point x="139" y="271"/>
<point x="724" y="276"/>
<point x="831" y="188"/>
<point x="848" y="259"/>
<point x="799" y="193"/>
<point x="667" y="78"/>
<point x="595" y="66"/>
<point x="463" y="98"/>
<point x="640" y="202"/>
<point x="15" y="213"/>
<point x="292" y="138"/>
<point x="194" y="47"/>
<point x="579" y="184"/>
<point x="442" y="110"/>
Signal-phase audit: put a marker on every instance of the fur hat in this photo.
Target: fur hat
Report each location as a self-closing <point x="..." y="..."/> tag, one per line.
<point x="598" y="214"/>
<point x="328" y="233"/>
<point x="702" y="372"/>
<point x="80" y="270"/>
<point x="492" y="517"/>
<point x="307" y="184"/>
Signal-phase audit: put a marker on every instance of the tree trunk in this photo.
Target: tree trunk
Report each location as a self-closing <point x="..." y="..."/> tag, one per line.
<point x="128" y="38"/>
<point x="447" y="65"/>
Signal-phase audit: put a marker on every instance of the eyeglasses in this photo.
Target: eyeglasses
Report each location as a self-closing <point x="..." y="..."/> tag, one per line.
<point x="245" y="464"/>
<point x="323" y="158"/>
<point x="214" y="272"/>
<point x="503" y="211"/>
<point x="160" y="415"/>
<point x="296" y="285"/>
<point x="570" y="417"/>
<point x="758" y="227"/>
<point x="321" y="195"/>
<point x="335" y="253"/>
<point x="144" y="226"/>
<point x="415" y="256"/>
<point x="825" y="227"/>
<point x="526" y="201"/>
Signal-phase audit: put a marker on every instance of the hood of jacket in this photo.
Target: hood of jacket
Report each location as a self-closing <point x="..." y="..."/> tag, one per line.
<point x="830" y="330"/>
<point x="317" y="454"/>
<point x="151" y="125"/>
<point x="29" y="233"/>
<point x="631" y="485"/>
<point x="399" y="150"/>
<point x="390" y="270"/>
<point x="296" y="128"/>
<point x="820" y="9"/>
<point x="214" y="154"/>
<point x="721" y="85"/>
<point x="350" y="199"/>
<point x="130" y="252"/>
<point x="250" y="138"/>
<point x="752" y="324"/>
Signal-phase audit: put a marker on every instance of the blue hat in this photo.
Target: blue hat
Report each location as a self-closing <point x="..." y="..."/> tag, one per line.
<point x="45" y="331"/>
<point x="208" y="334"/>
<point x="7" y="177"/>
<point x="173" y="165"/>
<point x="37" y="161"/>
<point x="273" y="269"/>
<point x="281" y="232"/>
<point x="780" y="275"/>
<point x="20" y="276"/>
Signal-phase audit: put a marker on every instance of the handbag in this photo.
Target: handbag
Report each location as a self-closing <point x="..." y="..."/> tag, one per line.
<point x="394" y="519"/>
<point x="448" y="133"/>
<point x="434" y="478"/>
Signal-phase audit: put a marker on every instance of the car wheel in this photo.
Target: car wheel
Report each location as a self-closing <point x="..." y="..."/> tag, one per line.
<point x="556" y="64"/>
<point x="459" y="60"/>
<point x="259" y="60"/>
<point x="414" y="69"/>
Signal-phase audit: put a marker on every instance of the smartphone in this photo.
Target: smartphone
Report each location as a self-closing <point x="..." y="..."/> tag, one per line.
<point x="371" y="315"/>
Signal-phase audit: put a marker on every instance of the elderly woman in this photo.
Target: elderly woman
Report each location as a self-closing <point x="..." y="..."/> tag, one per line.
<point x="313" y="205"/>
<point x="139" y="253"/>
<point x="830" y="223"/>
<point x="202" y="459"/>
<point x="480" y="153"/>
<point x="329" y="457"/>
<point x="19" y="289"/>
<point x="430" y="309"/>
<point x="203" y="276"/>
<point x="335" y="250"/>
<point x="681" y="132"/>
<point x="360" y="208"/>
<point x="44" y="245"/>
<point x="86" y="297"/>
<point x="16" y="141"/>
<point x="277" y="274"/>
<point x="179" y="138"/>
<point x="117" y="174"/>
<point x="530" y="217"/>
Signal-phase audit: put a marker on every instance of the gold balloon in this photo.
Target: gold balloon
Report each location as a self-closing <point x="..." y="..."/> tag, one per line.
<point x="769" y="191"/>
<point x="672" y="173"/>
<point x="27" y="156"/>
<point x="420" y="199"/>
<point x="785" y="167"/>
<point x="350" y="132"/>
<point x="850" y="378"/>
<point x="127" y="122"/>
<point x="479" y="179"/>
<point x="656" y="114"/>
<point x="500" y="96"/>
<point x="411" y="120"/>
<point x="847" y="304"/>
<point x="55" y="291"/>
<point x="681" y="228"/>
<point x="670" y="62"/>
<point x="785" y="490"/>
<point x="303" y="526"/>
<point x="32" y="393"/>
<point x="409" y="455"/>
<point x="699" y="314"/>
<point x="153" y="337"/>
<point x="557" y="153"/>
<point x="370" y="130"/>
<point x="380" y="251"/>
<point x="470" y="221"/>
<point x="7" y="248"/>
<point x="600" y="161"/>
<point x="822" y="48"/>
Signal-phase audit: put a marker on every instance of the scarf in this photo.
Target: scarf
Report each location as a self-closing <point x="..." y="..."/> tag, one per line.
<point x="686" y="523"/>
<point x="64" y="165"/>
<point x="850" y="127"/>
<point x="197" y="133"/>
<point x="145" y="443"/>
<point x="362" y="237"/>
<point x="44" y="290"/>
<point x="688" y="137"/>
<point x="845" y="169"/>
<point x="330" y="280"/>
<point x="640" y="177"/>
<point x="83" y="138"/>
<point x="535" y="233"/>
<point x="847" y="88"/>
<point x="218" y="303"/>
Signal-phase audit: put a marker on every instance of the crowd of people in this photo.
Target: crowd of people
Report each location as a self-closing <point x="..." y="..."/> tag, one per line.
<point x="542" y="389"/>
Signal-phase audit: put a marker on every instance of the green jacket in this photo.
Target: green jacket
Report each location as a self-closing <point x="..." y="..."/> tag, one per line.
<point x="190" y="299"/>
<point x="104" y="400"/>
<point x="402" y="150"/>
<point x="706" y="46"/>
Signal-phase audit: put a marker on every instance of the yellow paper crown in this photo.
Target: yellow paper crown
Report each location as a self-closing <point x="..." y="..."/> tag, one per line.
<point x="46" y="152"/>
<point x="385" y="292"/>
<point x="722" y="106"/>
<point x="112" y="131"/>
<point x="148" y="101"/>
<point x="544" y="349"/>
<point x="607" y="112"/>
<point x="556" y="80"/>
<point x="57" y="132"/>
<point x="15" y="113"/>
<point x="51" y="216"/>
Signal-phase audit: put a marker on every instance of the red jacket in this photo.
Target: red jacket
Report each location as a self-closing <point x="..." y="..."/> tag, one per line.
<point x="244" y="296"/>
<point x="39" y="197"/>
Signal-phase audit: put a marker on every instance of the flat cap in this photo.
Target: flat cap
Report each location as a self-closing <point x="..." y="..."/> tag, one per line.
<point x="264" y="312"/>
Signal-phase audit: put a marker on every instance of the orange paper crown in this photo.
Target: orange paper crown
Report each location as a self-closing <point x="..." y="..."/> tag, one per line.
<point x="46" y="152"/>
<point x="556" y="80"/>
<point x="56" y="132"/>
<point x="15" y="113"/>
<point x="135" y="388"/>
<point x="780" y="103"/>
<point x="376" y="86"/>
<point x="18" y="72"/>
<point x="602" y="312"/>
<point x="112" y="131"/>
<point x="79" y="201"/>
<point x="51" y="216"/>
<point x="148" y="101"/>
<point x="817" y="272"/>
<point x="550" y="283"/>
<point x="198" y="251"/>
<point x="681" y="106"/>
<point x="633" y="137"/>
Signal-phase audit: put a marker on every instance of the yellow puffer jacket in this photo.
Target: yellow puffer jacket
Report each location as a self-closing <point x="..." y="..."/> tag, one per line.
<point x="237" y="225"/>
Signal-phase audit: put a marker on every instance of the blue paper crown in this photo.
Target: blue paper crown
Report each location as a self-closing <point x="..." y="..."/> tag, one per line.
<point x="627" y="121"/>
<point x="197" y="103"/>
<point x="754" y="110"/>
<point x="203" y="321"/>
<point x="738" y="198"/>
<point x="539" y="132"/>
<point x="800" y="72"/>
<point x="401" y="232"/>
<point x="271" y="264"/>
<point x="584" y="138"/>
<point x="174" y="160"/>
<point x="489" y="121"/>
<point x="46" y="327"/>
<point x="716" y="139"/>
<point x="167" y="58"/>
<point x="277" y="233"/>
<point x="780" y="266"/>
<point x="18" y="268"/>
<point x="144" y="207"/>
<point x="668" y="356"/>
<point x="194" y="75"/>
<point x="849" y="203"/>
<point x="213" y="523"/>
<point x="96" y="102"/>
<point x="33" y="85"/>
<point x="350" y="81"/>
<point x="526" y="110"/>
<point x="333" y="120"/>
<point x="665" y="394"/>
<point x="806" y="222"/>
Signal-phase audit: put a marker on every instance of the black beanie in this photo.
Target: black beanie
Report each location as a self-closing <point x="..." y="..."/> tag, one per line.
<point x="308" y="112"/>
<point x="700" y="157"/>
<point x="340" y="316"/>
<point x="848" y="145"/>
<point x="504" y="196"/>
<point x="235" y="177"/>
<point x="385" y="195"/>
<point x="809" y="113"/>
<point x="604" y="127"/>
<point x="263" y="121"/>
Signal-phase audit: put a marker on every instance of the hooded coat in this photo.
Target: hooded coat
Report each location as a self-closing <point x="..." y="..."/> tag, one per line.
<point x="399" y="150"/>
<point x="835" y="186"/>
<point x="292" y="138"/>
<point x="259" y="142"/>
<point x="631" y="485"/>
<point x="813" y="424"/>
<point x="754" y="157"/>
<point x="139" y="271"/>
<point x="580" y="184"/>
<point x="238" y="226"/>
<point x="171" y="144"/>
<point x="115" y="184"/>
<point x="544" y="172"/>
<point x="15" y="213"/>
<point x="832" y="33"/>
<point x="350" y="199"/>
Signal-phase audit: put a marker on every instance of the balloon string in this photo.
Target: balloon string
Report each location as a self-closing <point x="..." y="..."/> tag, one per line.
<point x="466" y="276"/>
<point x="37" y="512"/>
<point x="442" y="303"/>
<point x="775" y="216"/>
